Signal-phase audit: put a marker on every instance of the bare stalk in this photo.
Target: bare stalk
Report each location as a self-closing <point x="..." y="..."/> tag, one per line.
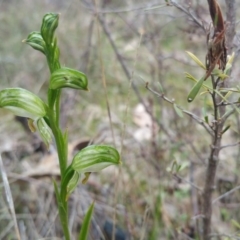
<point x="217" y="50"/>
<point x="213" y="160"/>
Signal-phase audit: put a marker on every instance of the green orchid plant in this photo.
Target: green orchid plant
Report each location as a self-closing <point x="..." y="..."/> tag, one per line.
<point x="44" y="117"/>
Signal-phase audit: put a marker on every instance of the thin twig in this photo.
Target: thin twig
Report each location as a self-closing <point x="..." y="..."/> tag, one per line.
<point x="190" y="114"/>
<point x="230" y="145"/>
<point x="218" y="235"/>
<point x="139" y="8"/>
<point x="226" y="194"/>
<point x="188" y="13"/>
<point x="222" y="103"/>
<point x="184" y="180"/>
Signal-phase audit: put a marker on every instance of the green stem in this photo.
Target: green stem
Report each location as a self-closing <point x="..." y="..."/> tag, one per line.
<point x="63" y="213"/>
<point x="60" y="140"/>
<point x="62" y="156"/>
<point x="57" y="105"/>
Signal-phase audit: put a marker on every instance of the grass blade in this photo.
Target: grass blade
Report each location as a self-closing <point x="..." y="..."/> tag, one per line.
<point x="86" y="223"/>
<point x="9" y="197"/>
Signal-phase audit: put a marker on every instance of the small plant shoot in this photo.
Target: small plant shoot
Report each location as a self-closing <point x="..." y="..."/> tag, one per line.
<point x="44" y="117"/>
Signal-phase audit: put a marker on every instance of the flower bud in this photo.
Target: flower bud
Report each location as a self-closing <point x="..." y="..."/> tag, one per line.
<point x="49" y="25"/>
<point x="36" y="41"/>
<point x="90" y="159"/>
<point x="22" y="103"/>
<point x="68" y="78"/>
<point x="95" y="158"/>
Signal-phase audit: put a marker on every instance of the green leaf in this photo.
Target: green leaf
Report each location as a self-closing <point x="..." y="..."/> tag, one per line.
<point x="86" y="223"/>
<point x="228" y="94"/>
<point x="68" y="78"/>
<point x="49" y="25"/>
<point x="36" y="41"/>
<point x="206" y="119"/>
<point x="219" y="73"/>
<point x="189" y="76"/>
<point x="193" y="93"/>
<point x="160" y="86"/>
<point x="55" y="52"/>
<point x="178" y="110"/>
<point x="72" y="184"/>
<point x="44" y="131"/>
<point x="23" y="103"/>
<point x="67" y="176"/>
<point x="235" y="223"/>
<point x="56" y="191"/>
<point x="184" y="165"/>
<point x="229" y="111"/>
<point x="95" y="158"/>
<point x="226" y="128"/>
<point x="196" y="60"/>
<point x="176" y="167"/>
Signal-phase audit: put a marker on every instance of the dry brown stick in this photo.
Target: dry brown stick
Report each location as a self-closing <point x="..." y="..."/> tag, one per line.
<point x="219" y="111"/>
<point x="212" y="168"/>
<point x="216" y="52"/>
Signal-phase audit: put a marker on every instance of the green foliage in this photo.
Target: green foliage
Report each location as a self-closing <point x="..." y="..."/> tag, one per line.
<point x="193" y="93"/>
<point x="95" y="158"/>
<point x="45" y="118"/>
<point x="68" y="78"/>
<point x="86" y="223"/>
<point x="22" y="103"/>
<point x="36" y="41"/>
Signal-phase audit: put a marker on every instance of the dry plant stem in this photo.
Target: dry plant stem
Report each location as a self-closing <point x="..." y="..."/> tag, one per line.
<point x="219" y="111"/>
<point x="9" y="198"/>
<point x="213" y="159"/>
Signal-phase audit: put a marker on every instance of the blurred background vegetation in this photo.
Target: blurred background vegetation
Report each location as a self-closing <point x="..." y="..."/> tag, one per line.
<point x="128" y="44"/>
